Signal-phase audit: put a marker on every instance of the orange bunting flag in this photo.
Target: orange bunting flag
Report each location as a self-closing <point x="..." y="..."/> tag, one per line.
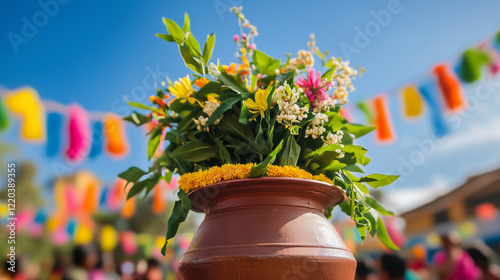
<point x="116" y="194"/>
<point x="26" y="103"/>
<point x="450" y="87"/>
<point x="128" y="208"/>
<point x="114" y="130"/>
<point x="90" y="203"/>
<point x="412" y="102"/>
<point x="158" y="200"/>
<point x="385" y="131"/>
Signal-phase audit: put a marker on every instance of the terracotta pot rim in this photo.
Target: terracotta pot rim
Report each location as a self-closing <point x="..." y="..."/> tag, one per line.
<point x="314" y="186"/>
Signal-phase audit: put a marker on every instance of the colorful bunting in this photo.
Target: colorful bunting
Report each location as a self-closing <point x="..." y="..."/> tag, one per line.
<point x="128" y="208"/>
<point x="78" y="134"/>
<point x="472" y="63"/>
<point x="4" y="117"/>
<point x="97" y="139"/>
<point x="54" y="124"/>
<point x="450" y="88"/>
<point x="158" y="199"/>
<point x="127" y="238"/>
<point x="83" y="235"/>
<point x="413" y="105"/>
<point x="115" y="135"/>
<point x="90" y="202"/>
<point x="25" y="103"/>
<point x="385" y="131"/>
<point x="440" y="127"/>
<point x="109" y="238"/>
<point x="365" y="107"/>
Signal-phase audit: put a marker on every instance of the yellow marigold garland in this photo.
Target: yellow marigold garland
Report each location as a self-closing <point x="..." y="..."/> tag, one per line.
<point x="202" y="178"/>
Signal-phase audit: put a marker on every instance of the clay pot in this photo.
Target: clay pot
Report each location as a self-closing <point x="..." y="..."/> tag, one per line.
<point x="267" y="228"/>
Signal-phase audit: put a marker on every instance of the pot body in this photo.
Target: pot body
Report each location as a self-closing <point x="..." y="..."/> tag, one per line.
<point x="267" y="228"/>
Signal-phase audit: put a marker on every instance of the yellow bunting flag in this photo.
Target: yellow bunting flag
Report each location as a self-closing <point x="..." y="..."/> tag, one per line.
<point x="413" y="106"/>
<point x="109" y="238"/>
<point x="83" y="234"/>
<point x="26" y="103"/>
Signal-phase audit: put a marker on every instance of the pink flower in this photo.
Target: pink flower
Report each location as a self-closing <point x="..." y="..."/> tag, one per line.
<point x="314" y="87"/>
<point x="252" y="46"/>
<point x="236" y="38"/>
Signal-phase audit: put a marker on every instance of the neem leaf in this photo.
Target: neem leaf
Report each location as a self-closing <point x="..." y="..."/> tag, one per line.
<point x="174" y="30"/>
<point x="194" y="151"/>
<point x="209" y="46"/>
<point x="154" y="141"/>
<point x="375" y="205"/>
<point x="260" y="169"/>
<point x="378" y="180"/>
<point x="179" y="215"/>
<point x="358" y="130"/>
<point x="186" y="25"/>
<point x="224" y="106"/>
<point x="137" y="119"/>
<point x="383" y="235"/>
<point x="291" y="153"/>
<point x="133" y="174"/>
<point x="264" y="63"/>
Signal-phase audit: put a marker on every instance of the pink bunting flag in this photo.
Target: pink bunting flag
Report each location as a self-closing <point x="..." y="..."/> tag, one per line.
<point x="79" y="134"/>
<point x="127" y="239"/>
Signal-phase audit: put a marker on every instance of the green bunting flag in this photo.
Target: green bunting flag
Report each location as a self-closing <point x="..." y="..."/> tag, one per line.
<point x="472" y="63"/>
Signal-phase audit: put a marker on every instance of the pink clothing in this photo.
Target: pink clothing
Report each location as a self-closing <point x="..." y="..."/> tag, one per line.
<point x="463" y="268"/>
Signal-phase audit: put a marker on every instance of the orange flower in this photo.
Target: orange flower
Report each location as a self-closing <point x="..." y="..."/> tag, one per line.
<point x="231" y="69"/>
<point x="201" y="82"/>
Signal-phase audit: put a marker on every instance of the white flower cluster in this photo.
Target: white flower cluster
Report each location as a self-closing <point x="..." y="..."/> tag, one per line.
<point x="325" y="105"/>
<point x="334" y="138"/>
<point x="290" y="112"/>
<point x="304" y="57"/>
<point x="342" y="77"/>
<point x="201" y="123"/>
<point x="210" y="107"/>
<point x="315" y="129"/>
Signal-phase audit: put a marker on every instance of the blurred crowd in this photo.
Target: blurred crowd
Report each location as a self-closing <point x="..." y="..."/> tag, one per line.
<point x="453" y="261"/>
<point x="89" y="263"/>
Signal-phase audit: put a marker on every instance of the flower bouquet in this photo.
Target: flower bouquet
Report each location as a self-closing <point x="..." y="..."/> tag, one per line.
<point x="258" y="117"/>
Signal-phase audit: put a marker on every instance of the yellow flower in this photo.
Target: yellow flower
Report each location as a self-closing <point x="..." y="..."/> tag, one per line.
<point x="231" y="69"/>
<point x="202" y="178"/>
<point x="260" y="103"/>
<point x="201" y="82"/>
<point x="183" y="89"/>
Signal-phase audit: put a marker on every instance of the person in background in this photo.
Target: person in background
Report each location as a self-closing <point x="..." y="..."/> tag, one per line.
<point x="393" y="267"/>
<point x="364" y="271"/>
<point x="153" y="272"/>
<point x="482" y="256"/>
<point x="453" y="263"/>
<point x="85" y="258"/>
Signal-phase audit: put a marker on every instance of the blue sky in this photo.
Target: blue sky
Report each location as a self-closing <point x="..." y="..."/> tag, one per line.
<point x="99" y="53"/>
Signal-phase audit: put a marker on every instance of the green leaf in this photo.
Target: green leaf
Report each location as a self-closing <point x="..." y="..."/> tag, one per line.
<point x="224" y="106"/>
<point x="260" y="169"/>
<point x="264" y="63"/>
<point x="375" y="205"/>
<point x="383" y="235"/>
<point x="147" y="184"/>
<point x="354" y="168"/>
<point x="231" y="125"/>
<point x="329" y="73"/>
<point x="185" y="26"/>
<point x="232" y="81"/>
<point x="194" y="151"/>
<point x="191" y="62"/>
<point x="154" y="141"/>
<point x="166" y="37"/>
<point x="291" y="153"/>
<point x="378" y="180"/>
<point x="358" y="130"/>
<point x="174" y="30"/>
<point x="194" y="46"/>
<point x="224" y="155"/>
<point x="142" y="106"/>
<point x="137" y="119"/>
<point x="210" y="88"/>
<point x="334" y="166"/>
<point x="209" y="46"/>
<point x="179" y="215"/>
<point x="362" y="187"/>
<point x="359" y="152"/>
<point x="133" y="174"/>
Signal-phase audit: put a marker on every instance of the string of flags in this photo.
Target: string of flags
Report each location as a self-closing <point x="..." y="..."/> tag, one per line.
<point x="438" y="94"/>
<point x="86" y="135"/>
